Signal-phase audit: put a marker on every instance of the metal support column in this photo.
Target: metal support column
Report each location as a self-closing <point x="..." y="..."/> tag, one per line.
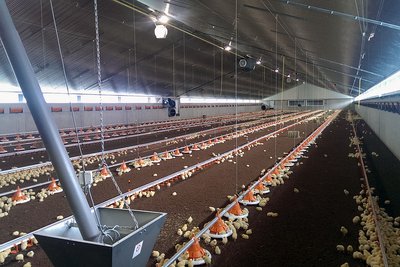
<point x="45" y="124"/>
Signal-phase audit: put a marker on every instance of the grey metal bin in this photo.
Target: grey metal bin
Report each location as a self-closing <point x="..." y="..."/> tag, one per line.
<point x="65" y="246"/>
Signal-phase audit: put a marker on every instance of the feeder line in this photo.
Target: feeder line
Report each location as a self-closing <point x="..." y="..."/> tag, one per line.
<point x="69" y="219"/>
<point x="125" y="148"/>
<point x="313" y="136"/>
<point x="374" y="208"/>
<point x="29" y="141"/>
<point x="129" y="161"/>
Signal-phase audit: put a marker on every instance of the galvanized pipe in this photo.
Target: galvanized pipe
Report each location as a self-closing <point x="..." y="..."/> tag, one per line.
<point x="46" y="126"/>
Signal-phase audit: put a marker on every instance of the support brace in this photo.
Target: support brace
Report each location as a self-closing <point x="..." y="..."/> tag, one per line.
<point x="46" y="126"/>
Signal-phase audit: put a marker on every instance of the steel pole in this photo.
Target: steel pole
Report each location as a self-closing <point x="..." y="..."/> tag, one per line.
<point x="46" y="126"/>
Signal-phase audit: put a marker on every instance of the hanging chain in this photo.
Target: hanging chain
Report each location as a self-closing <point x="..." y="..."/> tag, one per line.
<point x="96" y="20"/>
<point x="96" y="23"/>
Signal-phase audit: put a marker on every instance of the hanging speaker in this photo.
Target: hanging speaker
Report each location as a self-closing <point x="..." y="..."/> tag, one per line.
<point x="247" y="64"/>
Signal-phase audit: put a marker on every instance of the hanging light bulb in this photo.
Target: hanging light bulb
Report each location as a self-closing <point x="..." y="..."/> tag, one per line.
<point x="163" y="19"/>
<point x="288" y="79"/>
<point x="277" y="70"/>
<point x="228" y="47"/>
<point x="160" y="31"/>
<point x="258" y="62"/>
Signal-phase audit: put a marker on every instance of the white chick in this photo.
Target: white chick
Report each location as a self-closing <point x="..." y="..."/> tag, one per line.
<point x="340" y="248"/>
<point x="343" y="230"/>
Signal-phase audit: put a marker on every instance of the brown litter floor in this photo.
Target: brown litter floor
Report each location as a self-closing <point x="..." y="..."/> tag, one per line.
<point x="305" y="233"/>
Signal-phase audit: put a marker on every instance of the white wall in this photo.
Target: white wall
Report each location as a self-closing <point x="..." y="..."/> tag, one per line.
<point x="328" y="104"/>
<point x="386" y="126"/>
<point x="307" y="91"/>
<point x="23" y="122"/>
<point x="332" y="99"/>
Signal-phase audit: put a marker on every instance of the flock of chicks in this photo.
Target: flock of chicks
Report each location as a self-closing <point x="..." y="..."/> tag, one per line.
<point x="36" y="172"/>
<point x="20" y="252"/>
<point x="277" y="178"/>
<point x="369" y="240"/>
<point x="6" y="203"/>
<point x="140" y="163"/>
<point x="233" y="225"/>
<point x="377" y="230"/>
<point x="238" y="226"/>
<point x="33" y="174"/>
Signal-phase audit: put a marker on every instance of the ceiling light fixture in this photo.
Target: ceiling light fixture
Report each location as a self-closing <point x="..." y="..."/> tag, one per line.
<point x="160" y="31"/>
<point x="228" y="47"/>
<point x="277" y="70"/>
<point x="258" y="62"/>
<point x="163" y="19"/>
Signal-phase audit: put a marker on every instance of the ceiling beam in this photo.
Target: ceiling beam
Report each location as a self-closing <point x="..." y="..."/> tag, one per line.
<point x="340" y="14"/>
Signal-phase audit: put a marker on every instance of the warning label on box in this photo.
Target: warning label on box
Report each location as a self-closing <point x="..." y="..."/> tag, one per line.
<point x="138" y="249"/>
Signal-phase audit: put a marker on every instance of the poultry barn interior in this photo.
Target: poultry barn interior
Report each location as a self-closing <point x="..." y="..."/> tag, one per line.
<point x="211" y="133"/>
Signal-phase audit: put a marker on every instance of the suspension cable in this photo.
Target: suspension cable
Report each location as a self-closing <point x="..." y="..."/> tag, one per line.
<point x="66" y="85"/>
<point x="236" y="96"/>
<point x="276" y="83"/>
<point x="85" y="189"/>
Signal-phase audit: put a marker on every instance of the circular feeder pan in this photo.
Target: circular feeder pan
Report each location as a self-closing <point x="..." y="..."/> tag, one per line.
<point x="178" y="155"/>
<point x="195" y="149"/>
<point x="289" y="164"/>
<point x="199" y="261"/>
<point x="245" y="202"/>
<point x="266" y="191"/>
<point x="295" y="159"/>
<point x="230" y="215"/>
<point x="156" y="161"/>
<point x="228" y="233"/>
<point x="22" y="201"/>
<point x="55" y="191"/>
